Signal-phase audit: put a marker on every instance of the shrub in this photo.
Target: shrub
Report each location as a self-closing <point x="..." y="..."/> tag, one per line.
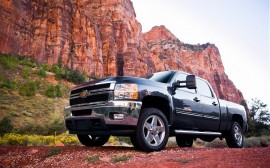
<point x="72" y="75"/>
<point x="25" y="73"/>
<point x="121" y="158"/>
<point x="76" y="77"/>
<point x="13" y="139"/>
<point x="59" y="91"/>
<point x="46" y="67"/>
<point x="9" y="61"/>
<point x="67" y="139"/>
<point x="53" y="151"/>
<point x="57" y="126"/>
<point x="253" y="142"/>
<point x="93" y="159"/>
<point x="32" y="129"/>
<point x="125" y="140"/>
<point x="27" y="62"/>
<point x="8" y="83"/>
<point x="41" y="73"/>
<point x="50" y="91"/>
<point x="55" y="69"/>
<point x="54" y="91"/>
<point x="1" y="75"/>
<point x="36" y="140"/>
<point x="217" y="143"/>
<point x="28" y="89"/>
<point x="5" y="126"/>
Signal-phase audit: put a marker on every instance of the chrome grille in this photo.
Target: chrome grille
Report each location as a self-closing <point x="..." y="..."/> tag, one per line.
<point x="92" y="88"/>
<point x="97" y="94"/>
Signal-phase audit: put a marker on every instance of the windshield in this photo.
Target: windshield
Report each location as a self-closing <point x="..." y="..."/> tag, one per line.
<point x="162" y="77"/>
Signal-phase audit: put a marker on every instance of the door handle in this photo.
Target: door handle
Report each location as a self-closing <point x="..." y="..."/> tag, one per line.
<point x="214" y="103"/>
<point x="196" y="99"/>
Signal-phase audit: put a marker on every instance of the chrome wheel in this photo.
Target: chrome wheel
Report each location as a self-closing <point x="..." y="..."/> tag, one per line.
<point x="238" y="135"/>
<point x="234" y="137"/>
<point x="154" y="130"/>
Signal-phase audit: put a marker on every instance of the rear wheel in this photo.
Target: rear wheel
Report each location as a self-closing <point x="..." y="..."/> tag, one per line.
<point x="184" y="141"/>
<point x="153" y="131"/>
<point x="234" y="137"/>
<point x="90" y="140"/>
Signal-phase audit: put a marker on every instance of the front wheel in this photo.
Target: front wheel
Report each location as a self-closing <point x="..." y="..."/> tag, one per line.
<point x="153" y="131"/>
<point x="90" y="140"/>
<point x="234" y="137"/>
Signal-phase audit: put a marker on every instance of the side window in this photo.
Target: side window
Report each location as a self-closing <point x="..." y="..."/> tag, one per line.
<point x="182" y="77"/>
<point x="203" y="88"/>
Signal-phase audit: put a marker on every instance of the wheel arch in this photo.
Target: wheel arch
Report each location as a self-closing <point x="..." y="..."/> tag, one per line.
<point x="160" y="103"/>
<point x="238" y="118"/>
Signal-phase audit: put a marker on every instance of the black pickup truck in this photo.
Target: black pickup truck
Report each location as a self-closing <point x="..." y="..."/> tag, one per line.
<point x="149" y="111"/>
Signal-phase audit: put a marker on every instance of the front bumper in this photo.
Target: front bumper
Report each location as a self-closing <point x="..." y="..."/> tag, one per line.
<point x="99" y="118"/>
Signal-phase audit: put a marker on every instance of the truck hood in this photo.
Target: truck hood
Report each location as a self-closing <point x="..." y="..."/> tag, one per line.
<point x="123" y="79"/>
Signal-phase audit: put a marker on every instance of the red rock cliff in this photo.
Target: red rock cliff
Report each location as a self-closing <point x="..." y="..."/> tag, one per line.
<point x="103" y="38"/>
<point x="94" y="36"/>
<point x="164" y="51"/>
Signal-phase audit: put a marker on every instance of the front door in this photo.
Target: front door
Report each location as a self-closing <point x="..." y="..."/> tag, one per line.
<point x="187" y="107"/>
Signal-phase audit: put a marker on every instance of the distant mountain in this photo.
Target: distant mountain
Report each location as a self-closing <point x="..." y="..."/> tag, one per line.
<point x="103" y="38"/>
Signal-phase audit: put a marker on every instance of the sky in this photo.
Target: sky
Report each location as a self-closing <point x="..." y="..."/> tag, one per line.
<point x="239" y="28"/>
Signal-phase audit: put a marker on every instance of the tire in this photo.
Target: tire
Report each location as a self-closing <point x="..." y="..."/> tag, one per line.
<point x="134" y="142"/>
<point x="88" y="140"/>
<point x="184" y="141"/>
<point x="152" y="131"/>
<point x="234" y="137"/>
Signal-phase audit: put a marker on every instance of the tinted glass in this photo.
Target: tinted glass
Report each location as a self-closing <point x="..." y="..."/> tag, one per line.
<point x="203" y="88"/>
<point x="162" y="77"/>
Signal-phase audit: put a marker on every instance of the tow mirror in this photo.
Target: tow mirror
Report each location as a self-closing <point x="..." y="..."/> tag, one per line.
<point x="191" y="82"/>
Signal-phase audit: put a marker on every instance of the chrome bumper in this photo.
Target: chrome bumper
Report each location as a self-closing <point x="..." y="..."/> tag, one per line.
<point x="129" y="109"/>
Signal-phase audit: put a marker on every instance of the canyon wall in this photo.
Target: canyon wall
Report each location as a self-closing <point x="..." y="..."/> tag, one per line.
<point x="103" y="38"/>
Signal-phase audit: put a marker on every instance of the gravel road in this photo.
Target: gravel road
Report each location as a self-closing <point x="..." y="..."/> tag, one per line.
<point x="111" y="156"/>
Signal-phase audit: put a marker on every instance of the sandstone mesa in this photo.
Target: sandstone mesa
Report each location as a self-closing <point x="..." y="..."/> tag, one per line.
<point x="103" y="38"/>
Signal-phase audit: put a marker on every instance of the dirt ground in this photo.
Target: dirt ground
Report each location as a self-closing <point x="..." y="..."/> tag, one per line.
<point x="111" y="156"/>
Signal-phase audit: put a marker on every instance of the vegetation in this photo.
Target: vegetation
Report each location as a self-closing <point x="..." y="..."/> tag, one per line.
<point x="29" y="88"/>
<point x="93" y="159"/>
<point x="28" y="95"/>
<point x="250" y="142"/>
<point x="32" y="115"/>
<point x="5" y="126"/>
<point x="71" y="75"/>
<point x="258" y="119"/>
<point x="121" y="158"/>
<point x="182" y="160"/>
<point x="52" y="152"/>
<point x="38" y="140"/>
<point x="11" y="65"/>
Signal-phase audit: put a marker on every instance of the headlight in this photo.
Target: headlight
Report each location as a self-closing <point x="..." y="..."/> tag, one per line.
<point x="126" y="91"/>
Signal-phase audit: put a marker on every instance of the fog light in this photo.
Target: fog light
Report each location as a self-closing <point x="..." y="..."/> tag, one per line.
<point x="118" y="116"/>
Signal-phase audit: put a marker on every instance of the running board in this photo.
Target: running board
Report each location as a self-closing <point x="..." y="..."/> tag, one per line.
<point x="191" y="132"/>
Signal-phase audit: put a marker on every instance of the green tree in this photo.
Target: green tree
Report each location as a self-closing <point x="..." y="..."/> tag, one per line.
<point x="259" y="118"/>
<point x="5" y="126"/>
<point x="259" y="112"/>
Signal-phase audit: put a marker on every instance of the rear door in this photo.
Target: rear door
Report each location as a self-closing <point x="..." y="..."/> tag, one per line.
<point x="210" y="106"/>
